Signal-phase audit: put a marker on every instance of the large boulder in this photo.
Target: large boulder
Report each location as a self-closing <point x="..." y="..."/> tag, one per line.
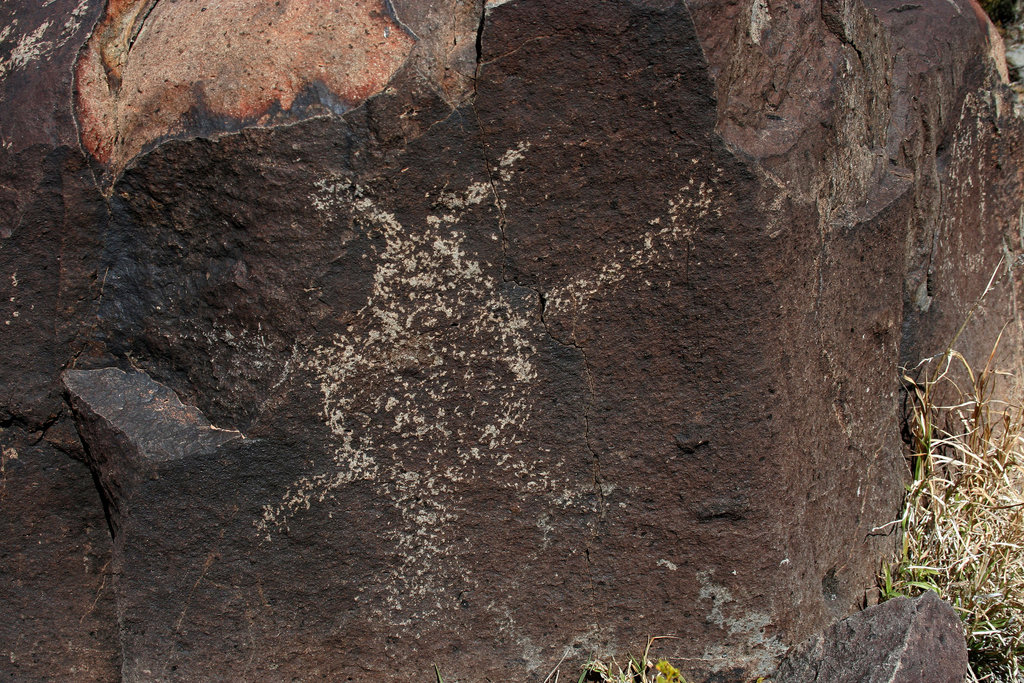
<point x="405" y="333"/>
<point x="904" y="640"/>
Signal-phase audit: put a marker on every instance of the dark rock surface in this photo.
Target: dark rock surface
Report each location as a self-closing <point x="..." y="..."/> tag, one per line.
<point x="551" y="327"/>
<point x="55" y="551"/>
<point x="56" y="582"/>
<point x="49" y="204"/>
<point x="899" y="641"/>
<point x="130" y="426"/>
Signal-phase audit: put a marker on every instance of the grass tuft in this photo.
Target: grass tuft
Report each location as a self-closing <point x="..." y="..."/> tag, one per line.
<point x="963" y="522"/>
<point x="637" y="669"/>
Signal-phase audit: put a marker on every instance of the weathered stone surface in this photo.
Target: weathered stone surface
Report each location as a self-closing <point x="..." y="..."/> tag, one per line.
<point x="130" y="425"/>
<point x="899" y="641"/>
<point x="48" y="204"/>
<point x="55" y="574"/>
<point x="155" y="69"/>
<point x="571" y="323"/>
<point x="55" y="553"/>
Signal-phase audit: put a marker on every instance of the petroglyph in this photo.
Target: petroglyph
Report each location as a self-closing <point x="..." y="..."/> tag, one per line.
<point x="760" y="17"/>
<point x="758" y="645"/>
<point x="435" y="330"/>
<point x="430" y="388"/>
<point x="692" y="206"/>
<point x="41" y="42"/>
<point x="508" y="160"/>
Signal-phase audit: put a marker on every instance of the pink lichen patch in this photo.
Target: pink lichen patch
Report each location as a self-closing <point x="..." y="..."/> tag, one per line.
<point x="150" y="65"/>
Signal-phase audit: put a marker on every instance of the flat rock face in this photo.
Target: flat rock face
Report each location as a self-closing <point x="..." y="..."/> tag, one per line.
<point x="47" y="208"/>
<point x="529" y="331"/>
<point x="144" y="413"/>
<point x="899" y="641"/>
<point x="56" y="578"/>
<point x="55" y="549"/>
<point x="130" y="425"/>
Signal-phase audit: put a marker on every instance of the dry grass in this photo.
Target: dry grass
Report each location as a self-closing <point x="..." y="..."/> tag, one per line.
<point x="637" y="670"/>
<point x="963" y="525"/>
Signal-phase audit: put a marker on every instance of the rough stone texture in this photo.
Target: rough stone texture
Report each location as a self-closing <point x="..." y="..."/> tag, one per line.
<point x="130" y="425"/>
<point x="55" y="575"/>
<point x="55" y="549"/>
<point x="899" y="641"/>
<point x="899" y="123"/>
<point x="549" y="327"/>
<point x="48" y="202"/>
<point x="153" y="69"/>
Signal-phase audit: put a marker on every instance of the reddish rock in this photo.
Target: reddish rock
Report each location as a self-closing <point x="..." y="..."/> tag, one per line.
<point x="157" y="69"/>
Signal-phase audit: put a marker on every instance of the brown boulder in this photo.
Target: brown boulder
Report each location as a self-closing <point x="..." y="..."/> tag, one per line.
<point x="572" y="324"/>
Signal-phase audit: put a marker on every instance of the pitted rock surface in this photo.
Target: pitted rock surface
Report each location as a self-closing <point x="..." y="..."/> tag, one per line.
<point x="154" y="69"/>
<point x="550" y="326"/>
<point x="899" y="641"/>
<point x="56" y="578"/>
